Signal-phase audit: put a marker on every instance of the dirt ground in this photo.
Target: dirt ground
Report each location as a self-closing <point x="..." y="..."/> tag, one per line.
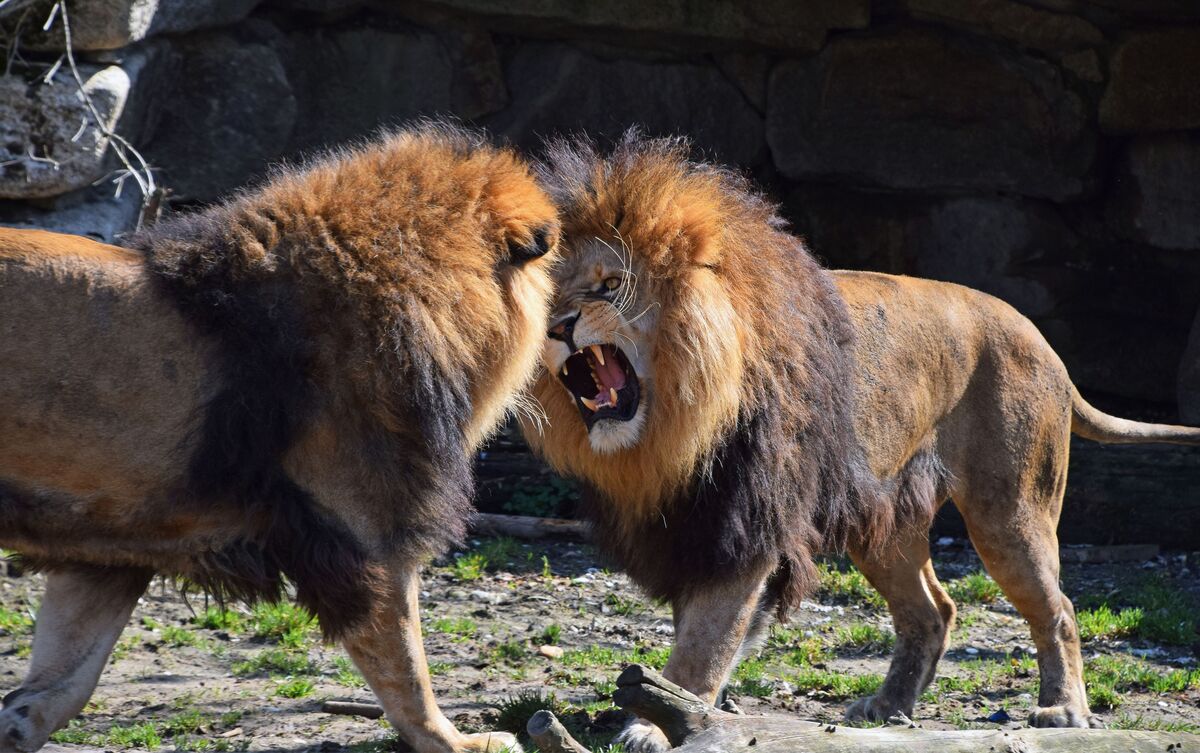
<point x="194" y="678"/>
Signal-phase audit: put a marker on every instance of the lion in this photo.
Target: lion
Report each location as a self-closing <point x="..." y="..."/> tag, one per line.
<point x="287" y="385"/>
<point x="732" y="409"/>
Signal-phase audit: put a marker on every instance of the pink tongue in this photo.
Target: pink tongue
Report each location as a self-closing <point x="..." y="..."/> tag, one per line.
<point x="610" y="373"/>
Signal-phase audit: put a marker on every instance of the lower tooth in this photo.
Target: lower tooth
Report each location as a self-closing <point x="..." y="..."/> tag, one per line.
<point x="591" y="404"/>
<point x="612" y="396"/>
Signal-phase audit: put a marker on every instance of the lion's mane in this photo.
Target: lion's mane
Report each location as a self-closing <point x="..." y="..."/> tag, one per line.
<point x="780" y="475"/>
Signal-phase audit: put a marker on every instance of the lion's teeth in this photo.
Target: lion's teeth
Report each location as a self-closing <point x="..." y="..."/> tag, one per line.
<point x="612" y="396"/>
<point x="591" y="404"/>
<point x="598" y="352"/>
<point x="564" y="369"/>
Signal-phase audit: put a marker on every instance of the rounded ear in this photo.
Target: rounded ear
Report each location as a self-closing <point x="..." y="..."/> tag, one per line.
<point x="542" y="241"/>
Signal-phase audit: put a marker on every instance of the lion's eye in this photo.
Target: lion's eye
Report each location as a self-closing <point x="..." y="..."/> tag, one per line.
<point x="612" y="283"/>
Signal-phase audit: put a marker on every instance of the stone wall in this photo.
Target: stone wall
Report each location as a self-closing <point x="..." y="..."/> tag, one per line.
<point x="1045" y="151"/>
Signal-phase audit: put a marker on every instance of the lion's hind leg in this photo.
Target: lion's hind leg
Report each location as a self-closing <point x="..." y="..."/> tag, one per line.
<point x="83" y="612"/>
<point x="923" y="616"/>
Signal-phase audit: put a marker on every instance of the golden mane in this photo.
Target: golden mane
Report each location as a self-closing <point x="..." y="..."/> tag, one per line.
<point x="752" y="407"/>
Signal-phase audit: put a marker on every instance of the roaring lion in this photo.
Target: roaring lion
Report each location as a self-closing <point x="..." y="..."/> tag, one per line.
<point x="733" y="408"/>
<point x="289" y="385"/>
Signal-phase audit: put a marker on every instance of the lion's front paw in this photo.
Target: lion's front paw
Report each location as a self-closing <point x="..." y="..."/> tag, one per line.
<point x="640" y="736"/>
<point x="491" y="742"/>
<point x="1064" y="716"/>
<point x="875" y="708"/>
<point x="17" y="731"/>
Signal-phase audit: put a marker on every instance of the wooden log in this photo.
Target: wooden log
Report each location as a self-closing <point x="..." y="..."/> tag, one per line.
<point x="550" y="736"/>
<point x="695" y="727"/>
<point x="348" y="708"/>
<point x="527" y="527"/>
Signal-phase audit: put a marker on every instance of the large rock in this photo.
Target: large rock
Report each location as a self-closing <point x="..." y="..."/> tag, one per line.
<point x="1152" y="83"/>
<point x="1156" y="194"/>
<point x="230" y="114"/>
<point x="49" y="140"/>
<point x="98" y="212"/>
<point x="1189" y="377"/>
<point x="1031" y="27"/>
<point x="351" y="81"/>
<point x="990" y="244"/>
<point x="557" y="89"/>
<point x="1159" y="10"/>
<point x="917" y="110"/>
<point x="792" y="25"/>
<point x="112" y="24"/>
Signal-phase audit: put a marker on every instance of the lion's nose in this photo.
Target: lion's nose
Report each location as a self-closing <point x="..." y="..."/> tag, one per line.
<point x="563" y="329"/>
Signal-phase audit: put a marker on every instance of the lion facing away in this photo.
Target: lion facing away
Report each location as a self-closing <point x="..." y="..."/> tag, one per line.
<point x="733" y="409"/>
<point x="287" y="385"/>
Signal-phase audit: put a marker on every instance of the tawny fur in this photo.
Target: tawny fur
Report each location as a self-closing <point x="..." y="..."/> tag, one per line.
<point x="951" y="392"/>
<point x="289" y="384"/>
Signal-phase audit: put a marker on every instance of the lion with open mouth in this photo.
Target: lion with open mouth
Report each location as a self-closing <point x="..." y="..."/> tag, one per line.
<point x="734" y="409"/>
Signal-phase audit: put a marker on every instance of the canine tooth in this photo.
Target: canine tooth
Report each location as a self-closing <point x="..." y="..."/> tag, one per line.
<point x="591" y="404"/>
<point x="612" y="396"/>
<point x="564" y="369"/>
<point x="598" y="352"/>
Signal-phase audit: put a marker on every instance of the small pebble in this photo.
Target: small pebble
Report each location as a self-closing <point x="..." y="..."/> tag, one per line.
<point x="551" y="652"/>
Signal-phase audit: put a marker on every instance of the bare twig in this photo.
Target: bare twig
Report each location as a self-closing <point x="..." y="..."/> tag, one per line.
<point x="125" y="151"/>
<point x="348" y="708"/>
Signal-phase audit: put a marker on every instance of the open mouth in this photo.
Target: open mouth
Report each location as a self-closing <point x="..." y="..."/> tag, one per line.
<point x="603" y="383"/>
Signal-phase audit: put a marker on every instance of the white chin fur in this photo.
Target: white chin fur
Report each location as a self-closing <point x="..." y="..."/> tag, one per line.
<point x="610" y="436"/>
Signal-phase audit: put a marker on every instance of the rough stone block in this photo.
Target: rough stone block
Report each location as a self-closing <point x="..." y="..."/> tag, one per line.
<point x="96" y="212"/>
<point x="49" y="141"/>
<point x="229" y="115"/>
<point x="1031" y="27"/>
<point x="557" y="89"/>
<point x="112" y="24"/>
<point x="918" y="110"/>
<point x="1156" y="192"/>
<point x="793" y="25"/>
<point x="1153" y="83"/>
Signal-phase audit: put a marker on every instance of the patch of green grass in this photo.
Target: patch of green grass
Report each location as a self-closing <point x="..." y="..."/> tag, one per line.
<point x="550" y="635"/>
<point x="797" y="648"/>
<point x="215" y="618"/>
<point x="186" y="723"/>
<point x="134" y="736"/>
<point x="287" y="624"/>
<point x="15" y="622"/>
<point x="1107" y="677"/>
<point x="174" y="635"/>
<point x="623" y="605"/>
<point x="750" y="679"/>
<point x="976" y="588"/>
<point x="73" y="734"/>
<point x="502" y="552"/>
<point x="468" y="567"/>
<point x="1168" y="614"/>
<point x="863" y="636"/>
<point x="462" y="628"/>
<point x="514" y="711"/>
<point x="604" y="656"/>
<point x="295" y="688"/>
<point x="508" y="652"/>
<point x="846" y="585"/>
<point x="278" y="661"/>
<point x="1102" y="622"/>
<point x="438" y="668"/>
<point x="347" y="674"/>
<point x="1125" y="721"/>
<point x="836" y="685"/>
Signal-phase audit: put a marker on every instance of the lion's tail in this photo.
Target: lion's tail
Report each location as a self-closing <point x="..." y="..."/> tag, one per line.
<point x="1091" y="423"/>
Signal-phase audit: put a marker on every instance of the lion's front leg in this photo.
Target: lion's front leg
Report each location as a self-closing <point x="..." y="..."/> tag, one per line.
<point x="82" y="615"/>
<point x="389" y="652"/>
<point x="711" y="627"/>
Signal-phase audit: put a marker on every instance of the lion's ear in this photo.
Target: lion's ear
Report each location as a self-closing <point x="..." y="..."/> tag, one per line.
<point x="542" y="241"/>
<point x="704" y="232"/>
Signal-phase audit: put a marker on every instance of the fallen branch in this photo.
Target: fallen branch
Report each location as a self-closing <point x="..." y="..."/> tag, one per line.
<point x="550" y="736"/>
<point x="527" y="527"/>
<point x="348" y="708"/>
<point x="695" y="727"/>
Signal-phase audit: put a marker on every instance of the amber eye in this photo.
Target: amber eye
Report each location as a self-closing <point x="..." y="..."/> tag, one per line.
<point x="612" y="283"/>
